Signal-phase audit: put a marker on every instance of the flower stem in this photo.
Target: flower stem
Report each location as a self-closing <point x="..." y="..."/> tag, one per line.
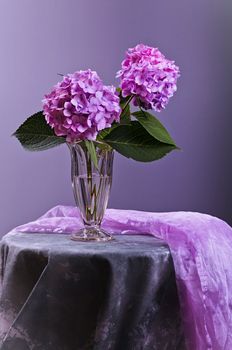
<point x="90" y="183"/>
<point x="138" y="102"/>
<point x="127" y="103"/>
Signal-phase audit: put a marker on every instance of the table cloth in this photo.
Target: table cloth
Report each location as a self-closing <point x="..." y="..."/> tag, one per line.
<point x="63" y="295"/>
<point x="201" y="248"/>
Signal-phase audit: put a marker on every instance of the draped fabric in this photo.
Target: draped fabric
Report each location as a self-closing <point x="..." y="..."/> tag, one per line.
<point x="201" y="248"/>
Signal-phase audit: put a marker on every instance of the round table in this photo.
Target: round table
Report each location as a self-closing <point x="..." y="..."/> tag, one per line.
<point x="56" y="294"/>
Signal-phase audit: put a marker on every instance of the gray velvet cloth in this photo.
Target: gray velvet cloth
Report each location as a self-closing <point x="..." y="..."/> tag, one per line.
<point x="56" y="294"/>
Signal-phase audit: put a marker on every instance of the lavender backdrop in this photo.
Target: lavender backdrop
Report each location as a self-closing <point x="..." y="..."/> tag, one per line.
<point x="39" y="39"/>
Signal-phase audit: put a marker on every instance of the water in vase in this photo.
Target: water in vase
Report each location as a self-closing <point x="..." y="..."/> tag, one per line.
<point x="92" y="196"/>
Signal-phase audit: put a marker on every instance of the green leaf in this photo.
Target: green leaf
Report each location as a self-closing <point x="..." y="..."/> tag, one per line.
<point x="36" y="135"/>
<point x="133" y="141"/>
<point x="103" y="133"/>
<point x="154" y="127"/>
<point x="92" y="152"/>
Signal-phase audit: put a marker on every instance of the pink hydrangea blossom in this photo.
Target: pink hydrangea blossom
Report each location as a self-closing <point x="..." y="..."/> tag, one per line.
<point x="80" y="106"/>
<point x="147" y="74"/>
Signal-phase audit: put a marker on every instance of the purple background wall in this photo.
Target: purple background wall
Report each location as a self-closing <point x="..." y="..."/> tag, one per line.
<point x="39" y="39"/>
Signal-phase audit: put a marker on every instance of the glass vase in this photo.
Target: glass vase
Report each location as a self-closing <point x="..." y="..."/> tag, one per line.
<point x="91" y="187"/>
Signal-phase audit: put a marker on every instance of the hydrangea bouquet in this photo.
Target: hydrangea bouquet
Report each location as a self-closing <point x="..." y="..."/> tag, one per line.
<point x="94" y="119"/>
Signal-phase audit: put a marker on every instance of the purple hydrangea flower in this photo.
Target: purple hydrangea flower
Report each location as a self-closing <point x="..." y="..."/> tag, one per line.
<point x="147" y="74"/>
<point x="80" y="106"/>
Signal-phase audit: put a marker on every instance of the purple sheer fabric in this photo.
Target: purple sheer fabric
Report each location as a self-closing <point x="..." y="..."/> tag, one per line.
<point x="201" y="247"/>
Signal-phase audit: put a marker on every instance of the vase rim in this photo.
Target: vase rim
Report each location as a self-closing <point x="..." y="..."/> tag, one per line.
<point x="78" y="142"/>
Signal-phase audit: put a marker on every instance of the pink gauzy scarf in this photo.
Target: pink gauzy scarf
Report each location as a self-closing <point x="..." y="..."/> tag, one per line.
<point x="201" y="248"/>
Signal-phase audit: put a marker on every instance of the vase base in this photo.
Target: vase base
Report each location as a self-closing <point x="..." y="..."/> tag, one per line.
<point x="91" y="234"/>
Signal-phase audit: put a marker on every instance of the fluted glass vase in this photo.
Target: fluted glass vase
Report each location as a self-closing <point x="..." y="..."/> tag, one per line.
<point x="91" y="187"/>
